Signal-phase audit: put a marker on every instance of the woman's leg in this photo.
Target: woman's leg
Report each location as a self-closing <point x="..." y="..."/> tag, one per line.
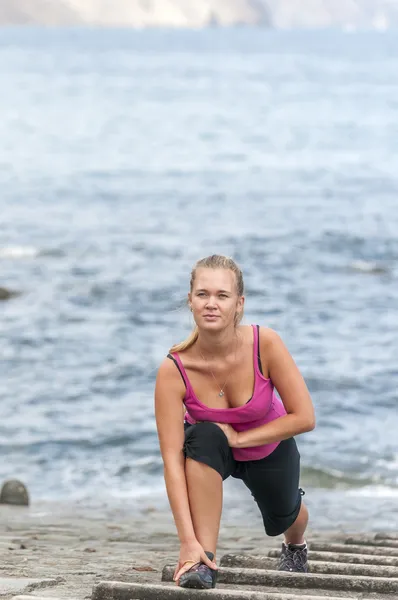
<point x="205" y="501"/>
<point x="295" y="533"/>
<point x="274" y="484"/>
<point x="208" y="461"/>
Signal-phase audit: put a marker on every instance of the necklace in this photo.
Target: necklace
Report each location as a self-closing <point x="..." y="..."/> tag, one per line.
<point x="222" y="388"/>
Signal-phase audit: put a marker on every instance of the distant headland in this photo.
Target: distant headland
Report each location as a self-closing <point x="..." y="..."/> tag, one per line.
<point x="277" y="14"/>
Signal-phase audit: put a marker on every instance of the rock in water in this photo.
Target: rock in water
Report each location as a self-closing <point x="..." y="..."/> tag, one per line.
<point x="14" y="492"/>
<point x="6" y="294"/>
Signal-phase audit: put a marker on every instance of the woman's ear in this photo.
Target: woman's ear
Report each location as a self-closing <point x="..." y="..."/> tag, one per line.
<point x="190" y="301"/>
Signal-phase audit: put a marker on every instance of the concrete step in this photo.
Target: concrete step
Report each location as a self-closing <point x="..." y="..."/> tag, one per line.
<point x="339" y="583"/>
<point x="34" y="597"/>
<point x="362" y="559"/>
<point x="353" y="549"/>
<point x="113" y="590"/>
<point x="368" y="541"/>
<point x="386" y="536"/>
<point x="337" y="568"/>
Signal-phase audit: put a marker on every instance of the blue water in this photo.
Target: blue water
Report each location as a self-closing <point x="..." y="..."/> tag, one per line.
<point x="125" y="157"/>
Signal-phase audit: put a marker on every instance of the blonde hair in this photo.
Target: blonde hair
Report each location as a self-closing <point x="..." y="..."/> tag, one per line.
<point x="215" y="261"/>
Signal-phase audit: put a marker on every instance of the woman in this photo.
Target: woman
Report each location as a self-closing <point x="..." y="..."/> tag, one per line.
<point x="233" y="423"/>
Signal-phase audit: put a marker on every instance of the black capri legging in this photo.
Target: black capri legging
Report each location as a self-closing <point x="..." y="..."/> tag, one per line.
<point x="273" y="480"/>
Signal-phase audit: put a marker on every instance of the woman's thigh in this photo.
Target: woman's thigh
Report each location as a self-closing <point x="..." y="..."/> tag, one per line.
<point x="274" y="484"/>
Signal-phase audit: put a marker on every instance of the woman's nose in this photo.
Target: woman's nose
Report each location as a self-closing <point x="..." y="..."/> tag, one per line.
<point x="211" y="302"/>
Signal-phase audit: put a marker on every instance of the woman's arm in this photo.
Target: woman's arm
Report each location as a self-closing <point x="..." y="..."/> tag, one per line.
<point x="293" y="392"/>
<point x="169" y="394"/>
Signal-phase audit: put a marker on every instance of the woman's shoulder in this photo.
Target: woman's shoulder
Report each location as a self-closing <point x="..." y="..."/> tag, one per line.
<point x="168" y="369"/>
<point x="267" y="332"/>
<point x="268" y="337"/>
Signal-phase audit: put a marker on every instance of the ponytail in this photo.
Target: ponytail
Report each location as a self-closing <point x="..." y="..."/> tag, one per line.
<point x="191" y="339"/>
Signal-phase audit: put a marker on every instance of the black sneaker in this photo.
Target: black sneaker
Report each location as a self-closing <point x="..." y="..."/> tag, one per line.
<point x="199" y="576"/>
<point x="294" y="558"/>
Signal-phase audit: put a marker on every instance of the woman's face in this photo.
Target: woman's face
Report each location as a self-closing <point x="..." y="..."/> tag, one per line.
<point x="214" y="299"/>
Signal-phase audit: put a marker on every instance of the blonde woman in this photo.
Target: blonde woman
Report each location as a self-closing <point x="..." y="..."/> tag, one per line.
<point x="218" y="415"/>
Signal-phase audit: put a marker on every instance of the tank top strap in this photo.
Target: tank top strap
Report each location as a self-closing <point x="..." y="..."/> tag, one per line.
<point x="256" y="349"/>
<point x="184" y="375"/>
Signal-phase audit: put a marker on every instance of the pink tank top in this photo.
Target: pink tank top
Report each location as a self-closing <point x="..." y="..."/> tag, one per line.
<point x="263" y="407"/>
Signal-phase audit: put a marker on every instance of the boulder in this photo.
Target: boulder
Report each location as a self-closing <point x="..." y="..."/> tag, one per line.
<point x="14" y="492"/>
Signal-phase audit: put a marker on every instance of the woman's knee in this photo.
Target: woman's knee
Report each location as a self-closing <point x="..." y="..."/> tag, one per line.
<point x="206" y="435"/>
<point x="207" y="443"/>
<point x="276" y="524"/>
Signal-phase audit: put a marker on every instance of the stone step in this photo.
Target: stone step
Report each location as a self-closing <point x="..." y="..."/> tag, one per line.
<point x="386" y="536"/>
<point x="337" y="568"/>
<point x="38" y="598"/>
<point x="351" y="549"/>
<point x="363" y="559"/>
<point x="338" y="583"/>
<point x="114" y="590"/>
<point x="367" y="541"/>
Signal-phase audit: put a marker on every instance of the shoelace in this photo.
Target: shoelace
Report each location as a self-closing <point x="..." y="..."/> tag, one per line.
<point x="295" y="559"/>
<point x="204" y="570"/>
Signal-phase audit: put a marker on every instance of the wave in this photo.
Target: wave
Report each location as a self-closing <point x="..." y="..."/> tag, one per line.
<point x="43" y="447"/>
<point x="375" y="491"/>
<point x="20" y="252"/>
<point x="335" y="479"/>
<point x="364" y="266"/>
<point x="364" y="253"/>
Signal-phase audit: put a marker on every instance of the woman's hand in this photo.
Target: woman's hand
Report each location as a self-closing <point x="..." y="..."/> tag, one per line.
<point x="191" y="553"/>
<point x="232" y="435"/>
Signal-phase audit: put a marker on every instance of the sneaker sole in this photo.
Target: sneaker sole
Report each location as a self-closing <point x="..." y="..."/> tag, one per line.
<point x="193" y="581"/>
<point x="293" y="571"/>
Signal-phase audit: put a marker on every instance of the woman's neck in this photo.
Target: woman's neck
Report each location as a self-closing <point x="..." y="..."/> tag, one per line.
<point x="218" y="344"/>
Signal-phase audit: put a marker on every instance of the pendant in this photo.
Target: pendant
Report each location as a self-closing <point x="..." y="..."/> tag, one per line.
<point x="221" y="394"/>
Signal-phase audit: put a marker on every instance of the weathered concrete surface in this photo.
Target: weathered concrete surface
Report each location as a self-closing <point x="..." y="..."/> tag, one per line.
<point x="337" y="583"/>
<point x="263" y="562"/>
<point x="86" y="546"/>
<point x="80" y="547"/>
<point x="362" y="559"/>
<point x="16" y="585"/>
<point x="113" y="590"/>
